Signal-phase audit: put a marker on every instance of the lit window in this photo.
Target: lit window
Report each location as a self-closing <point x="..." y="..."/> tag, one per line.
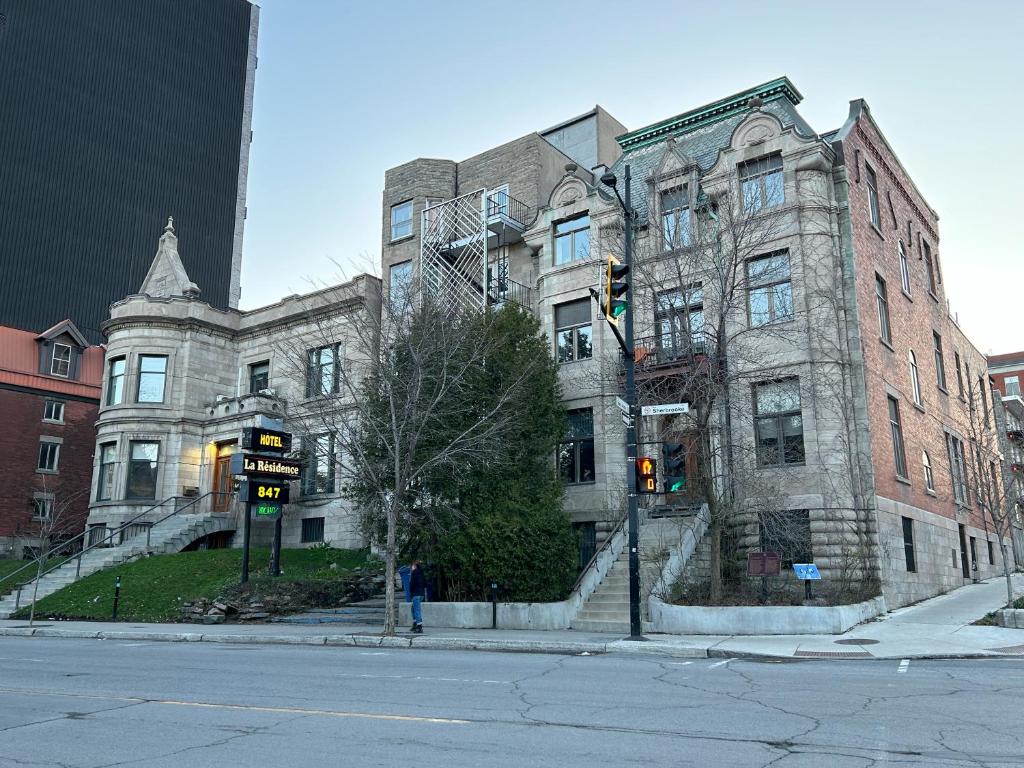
<point x="898" y="451"/>
<point x="778" y="423"/>
<point x="876" y="219"/>
<point x="574" y="335"/>
<point x="675" y="218"/>
<point x="401" y="220"/>
<point x="761" y="183"/>
<point x="572" y="240"/>
<point x="576" y="452"/>
<point x="152" y="378"/>
<point x="770" y="298"/>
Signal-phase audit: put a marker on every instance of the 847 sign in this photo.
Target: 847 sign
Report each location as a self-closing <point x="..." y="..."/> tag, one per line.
<point x="264" y="491"/>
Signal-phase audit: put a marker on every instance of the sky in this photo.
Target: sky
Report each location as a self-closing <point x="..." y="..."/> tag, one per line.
<point x="346" y="90"/>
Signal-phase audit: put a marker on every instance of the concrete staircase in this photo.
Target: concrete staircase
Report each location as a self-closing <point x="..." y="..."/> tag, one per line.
<point x="607" y="609"/>
<point x="171" y="535"/>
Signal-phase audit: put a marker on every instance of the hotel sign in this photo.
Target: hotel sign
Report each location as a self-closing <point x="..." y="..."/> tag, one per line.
<point x="265" y="466"/>
<point x="268" y="440"/>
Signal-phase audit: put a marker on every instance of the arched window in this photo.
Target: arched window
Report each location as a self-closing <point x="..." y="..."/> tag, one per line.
<point x="915" y="379"/>
<point x="929" y="478"/>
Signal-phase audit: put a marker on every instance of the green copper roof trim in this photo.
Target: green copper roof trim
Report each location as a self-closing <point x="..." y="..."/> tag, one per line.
<point x="710" y="113"/>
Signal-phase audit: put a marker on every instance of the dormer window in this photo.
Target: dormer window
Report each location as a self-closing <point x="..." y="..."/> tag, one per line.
<point x="60" y="363"/>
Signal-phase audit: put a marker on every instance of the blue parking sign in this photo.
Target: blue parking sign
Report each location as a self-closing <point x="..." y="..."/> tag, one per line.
<point x="806" y="571"/>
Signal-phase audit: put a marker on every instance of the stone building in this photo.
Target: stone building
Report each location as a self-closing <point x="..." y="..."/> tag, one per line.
<point x="184" y="378"/>
<point x="49" y="396"/>
<point x="853" y="396"/>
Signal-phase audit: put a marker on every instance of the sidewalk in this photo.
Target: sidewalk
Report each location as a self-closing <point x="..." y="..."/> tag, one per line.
<point x="936" y="628"/>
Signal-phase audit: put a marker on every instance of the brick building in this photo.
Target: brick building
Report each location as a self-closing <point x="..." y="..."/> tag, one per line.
<point x="1007" y="372"/>
<point x="49" y="397"/>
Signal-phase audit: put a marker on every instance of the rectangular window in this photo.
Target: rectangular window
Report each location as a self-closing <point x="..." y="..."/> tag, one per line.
<point x="882" y="300"/>
<point x="991" y="553"/>
<point x="42" y="507"/>
<point x="322" y="376"/>
<point x="319" y="470"/>
<point x="915" y="379"/>
<point x="984" y="399"/>
<point x="49" y="456"/>
<point x="675" y="218"/>
<point x="60" y="363"/>
<point x="957" y="468"/>
<point x="787" y="532"/>
<point x="401" y="220"/>
<point x="152" y="378"/>
<point x="778" y="423"/>
<point x="1012" y="386"/>
<point x="940" y="366"/>
<point x="143" y="460"/>
<point x="908" y="544"/>
<point x="312" y="530"/>
<point x="929" y="474"/>
<point x="679" y="322"/>
<point x="431" y="213"/>
<point x="959" y="373"/>
<point x="53" y="410"/>
<point x="770" y="293"/>
<point x="899" y="453"/>
<point x="904" y="269"/>
<point x="576" y="452"/>
<point x="105" y="482"/>
<point x="761" y="183"/>
<point x="929" y="266"/>
<point x="574" y="337"/>
<point x="400" y="285"/>
<point x="572" y="240"/>
<point x="115" y="381"/>
<point x="259" y="376"/>
<point x="876" y="219"/>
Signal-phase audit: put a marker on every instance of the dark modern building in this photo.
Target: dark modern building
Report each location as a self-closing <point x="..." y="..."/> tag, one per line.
<point x="114" y="115"/>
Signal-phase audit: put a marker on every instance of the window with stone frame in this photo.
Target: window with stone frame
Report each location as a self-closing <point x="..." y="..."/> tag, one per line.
<point x="105" y="478"/>
<point x="401" y="220"/>
<point x="873" y="212"/>
<point x="576" y="451"/>
<point x="42" y="506"/>
<point x="152" y="378"/>
<point x="143" y="464"/>
<point x="675" y="218"/>
<point x="322" y="374"/>
<point x="679" y="322"/>
<point x="899" y="452"/>
<point x="572" y="240"/>
<point x="259" y="376"/>
<point x="312" y="530"/>
<point x="761" y="183"/>
<point x="49" y="456"/>
<point x="53" y="411"/>
<point x="957" y="468"/>
<point x="778" y="423"/>
<point x="940" y="365"/>
<point x="929" y="267"/>
<point x="915" y="380"/>
<point x="882" y="302"/>
<point x="929" y="474"/>
<point x="787" y="532"/>
<point x="769" y="289"/>
<point x="115" y="381"/>
<point x="320" y="464"/>
<point x="574" y="333"/>
<point x="908" y="545"/>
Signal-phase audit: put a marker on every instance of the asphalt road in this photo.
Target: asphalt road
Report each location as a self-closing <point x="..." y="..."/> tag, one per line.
<point x="105" y="703"/>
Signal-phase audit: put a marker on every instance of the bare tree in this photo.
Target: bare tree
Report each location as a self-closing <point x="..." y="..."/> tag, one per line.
<point x="391" y="398"/>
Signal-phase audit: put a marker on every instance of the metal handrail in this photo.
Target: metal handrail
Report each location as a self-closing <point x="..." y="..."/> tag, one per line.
<point x="506" y="289"/>
<point x="503" y="204"/>
<point x="110" y="535"/>
<point x="607" y="543"/>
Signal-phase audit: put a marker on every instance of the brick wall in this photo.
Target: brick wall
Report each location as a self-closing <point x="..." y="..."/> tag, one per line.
<point x="21" y="414"/>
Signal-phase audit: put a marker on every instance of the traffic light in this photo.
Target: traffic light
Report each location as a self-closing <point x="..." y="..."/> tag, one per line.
<point x="675" y="466"/>
<point x="615" y="286"/>
<point x="646" y="475"/>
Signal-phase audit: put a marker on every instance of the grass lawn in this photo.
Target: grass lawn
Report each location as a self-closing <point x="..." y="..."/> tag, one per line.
<point x="154" y="588"/>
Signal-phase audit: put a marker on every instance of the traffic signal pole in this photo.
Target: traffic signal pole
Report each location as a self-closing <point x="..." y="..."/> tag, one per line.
<point x="635" y="627"/>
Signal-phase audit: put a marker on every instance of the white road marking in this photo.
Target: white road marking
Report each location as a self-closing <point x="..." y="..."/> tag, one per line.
<point x="720" y="663"/>
<point x="678" y="663"/>
<point x="428" y="679"/>
<point x="374" y="653"/>
<point x="903" y="666"/>
<point x="320" y="712"/>
<point x="131" y="645"/>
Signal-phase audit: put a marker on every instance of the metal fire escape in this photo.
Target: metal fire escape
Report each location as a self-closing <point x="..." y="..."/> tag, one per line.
<point x="464" y="250"/>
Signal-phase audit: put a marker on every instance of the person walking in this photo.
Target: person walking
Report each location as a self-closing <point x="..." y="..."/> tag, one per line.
<point x="417" y="590"/>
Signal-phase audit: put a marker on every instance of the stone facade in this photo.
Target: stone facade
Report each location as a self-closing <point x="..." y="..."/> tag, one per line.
<point x="213" y="386"/>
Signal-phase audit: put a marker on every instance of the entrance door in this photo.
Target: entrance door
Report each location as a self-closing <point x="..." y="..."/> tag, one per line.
<point x="965" y="567"/>
<point x="222" y="482"/>
<point x="974" y="553"/>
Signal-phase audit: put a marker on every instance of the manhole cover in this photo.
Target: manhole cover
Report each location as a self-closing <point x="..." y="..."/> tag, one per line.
<point x="855" y="641"/>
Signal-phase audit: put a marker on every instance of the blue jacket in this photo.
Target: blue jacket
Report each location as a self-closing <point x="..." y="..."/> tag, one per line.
<point x="417" y="583"/>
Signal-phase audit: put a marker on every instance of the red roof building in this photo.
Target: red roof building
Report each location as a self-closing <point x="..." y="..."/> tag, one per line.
<point x="50" y="386"/>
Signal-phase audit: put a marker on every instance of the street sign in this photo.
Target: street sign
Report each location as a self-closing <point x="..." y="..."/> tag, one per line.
<point x="764" y="564"/>
<point x="263" y="490"/>
<point x="665" y="408"/>
<point x="626" y="420"/>
<point x="268" y="440"/>
<point x="265" y="466"/>
<point x="806" y="571"/>
<point x="623" y="405"/>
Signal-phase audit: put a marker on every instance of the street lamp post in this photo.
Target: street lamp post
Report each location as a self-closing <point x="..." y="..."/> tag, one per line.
<point x="635" y="627"/>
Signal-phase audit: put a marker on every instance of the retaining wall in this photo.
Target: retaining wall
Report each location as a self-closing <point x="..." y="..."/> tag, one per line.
<point x="760" y="620"/>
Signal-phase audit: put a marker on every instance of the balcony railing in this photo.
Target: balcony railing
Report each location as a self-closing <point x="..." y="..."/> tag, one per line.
<point x="505" y="289"/>
<point x="651" y="352"/>
<point x="501" y="203"/>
